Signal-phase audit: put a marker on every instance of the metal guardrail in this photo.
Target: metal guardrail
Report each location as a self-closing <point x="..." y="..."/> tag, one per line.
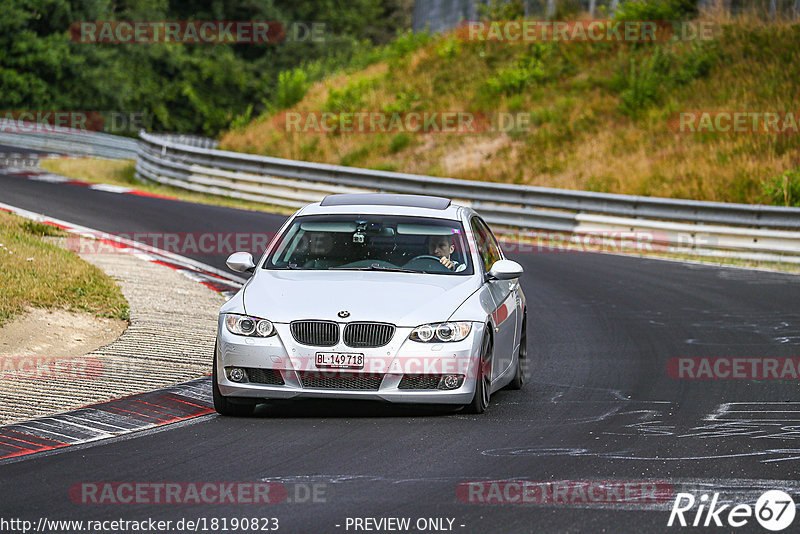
<point x="766" y="233"/>
<point x="190" y="140"/>
<point x="66" y="140"/>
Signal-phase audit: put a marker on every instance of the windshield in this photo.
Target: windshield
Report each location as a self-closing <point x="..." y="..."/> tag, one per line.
<point x="372" y="242"/>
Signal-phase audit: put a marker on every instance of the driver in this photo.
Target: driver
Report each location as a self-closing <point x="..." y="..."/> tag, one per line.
<point x="442" y="247"/>
<point x="316" y="247"/>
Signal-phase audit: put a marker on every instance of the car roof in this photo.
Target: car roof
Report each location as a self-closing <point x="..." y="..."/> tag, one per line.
<point x="385" y="204"/>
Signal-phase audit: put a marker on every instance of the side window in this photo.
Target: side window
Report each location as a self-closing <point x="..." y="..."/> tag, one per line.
<point x="487" y="246"/>
<point x="493" y="244"/>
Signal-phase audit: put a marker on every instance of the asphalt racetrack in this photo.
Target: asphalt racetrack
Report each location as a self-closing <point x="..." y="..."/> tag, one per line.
<point x="600" y="407"/>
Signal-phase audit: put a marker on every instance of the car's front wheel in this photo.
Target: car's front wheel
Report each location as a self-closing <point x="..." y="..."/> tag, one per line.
<point x="482" y="379"/>
<point x="235" y="406"/>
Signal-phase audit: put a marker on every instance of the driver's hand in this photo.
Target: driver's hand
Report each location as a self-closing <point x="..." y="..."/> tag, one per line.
<point x="446" y="262"/>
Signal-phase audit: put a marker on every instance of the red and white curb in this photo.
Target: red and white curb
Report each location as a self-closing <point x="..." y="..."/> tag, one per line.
<point x="127" y="414"/>
<point x="224" y="283"/>
<point x="107" y="419"/>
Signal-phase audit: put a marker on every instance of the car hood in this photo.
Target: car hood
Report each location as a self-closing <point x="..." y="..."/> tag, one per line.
<point x="403" y="299"/>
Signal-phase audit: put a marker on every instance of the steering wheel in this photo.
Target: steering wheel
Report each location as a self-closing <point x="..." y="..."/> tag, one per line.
<point x="428" y="257"/>
<point x="425" y="257"/>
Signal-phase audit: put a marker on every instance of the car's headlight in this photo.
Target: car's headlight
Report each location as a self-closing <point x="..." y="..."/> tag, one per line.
<point x="244" y="325"/>
<point x="441" y="332"/>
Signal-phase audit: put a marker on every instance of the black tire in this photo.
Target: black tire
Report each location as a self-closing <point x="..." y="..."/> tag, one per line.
<point x="480" y="401"/>
<point x="519" y="376"/>
<point x="234" y="406"/>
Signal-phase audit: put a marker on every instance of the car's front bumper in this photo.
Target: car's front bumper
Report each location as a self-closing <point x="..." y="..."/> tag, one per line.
<point x="290" y="360"/>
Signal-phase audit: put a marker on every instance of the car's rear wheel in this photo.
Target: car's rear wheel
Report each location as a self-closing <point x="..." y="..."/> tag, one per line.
<point x="482" y="381"/>
<point x="235" y="406"/>
<point x="519" y="376"/>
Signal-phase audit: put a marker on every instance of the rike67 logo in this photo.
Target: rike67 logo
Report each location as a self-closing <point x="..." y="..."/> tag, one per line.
<point x="774" y="510"/>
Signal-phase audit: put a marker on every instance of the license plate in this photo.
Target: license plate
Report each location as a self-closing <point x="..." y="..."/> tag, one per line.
<point x="339" y="360"/>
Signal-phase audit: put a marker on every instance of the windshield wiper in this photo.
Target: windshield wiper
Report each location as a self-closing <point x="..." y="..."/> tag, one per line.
<point x="376" y="267"/>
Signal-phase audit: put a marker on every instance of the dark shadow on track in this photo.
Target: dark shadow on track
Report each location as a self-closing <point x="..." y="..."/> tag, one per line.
<point x="305" y="408"/>
<point x="345" y="408"/>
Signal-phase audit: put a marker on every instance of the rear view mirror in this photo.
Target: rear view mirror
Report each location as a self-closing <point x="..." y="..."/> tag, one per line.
<point x="505" y="270"/>
<point x="241" y="262"/>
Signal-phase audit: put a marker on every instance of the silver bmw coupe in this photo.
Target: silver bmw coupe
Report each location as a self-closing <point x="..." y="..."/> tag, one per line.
<point x="397" y="298"/>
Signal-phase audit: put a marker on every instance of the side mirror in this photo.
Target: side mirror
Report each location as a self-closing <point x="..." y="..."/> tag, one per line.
<point x="505" y="270"/>
<point x="241" y="262"/>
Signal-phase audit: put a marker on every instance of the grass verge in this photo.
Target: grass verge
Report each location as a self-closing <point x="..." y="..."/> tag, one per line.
<point x="35" y="273"/>
<point x="121" y="172"/>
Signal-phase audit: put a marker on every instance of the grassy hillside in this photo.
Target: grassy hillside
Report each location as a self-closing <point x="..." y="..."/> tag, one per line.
<point x="600" y="114"/>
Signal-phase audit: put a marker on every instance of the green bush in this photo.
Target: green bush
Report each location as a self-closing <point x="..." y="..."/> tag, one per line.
<point x="645" y="82"/>
<point x="355" y="157"/>
<point x="242" y="120"/>
<point x="529" y="69"/>
<point x="399" y="142"/>
<point x="448" y="48"/>
<point x="405" y="43"/>
<point x="647" y="78"/>
<point x="784" y="189"/>
<point x="502" y="10"/>
<point x="697" y="63"/>
<point x="672" y="10"/>
<point x="292" y="87"/>
<point x="351" y="98"/>
<point x="405" y="101"/>
<point x="514" y="80"/>
<point x="309" y="149"/>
